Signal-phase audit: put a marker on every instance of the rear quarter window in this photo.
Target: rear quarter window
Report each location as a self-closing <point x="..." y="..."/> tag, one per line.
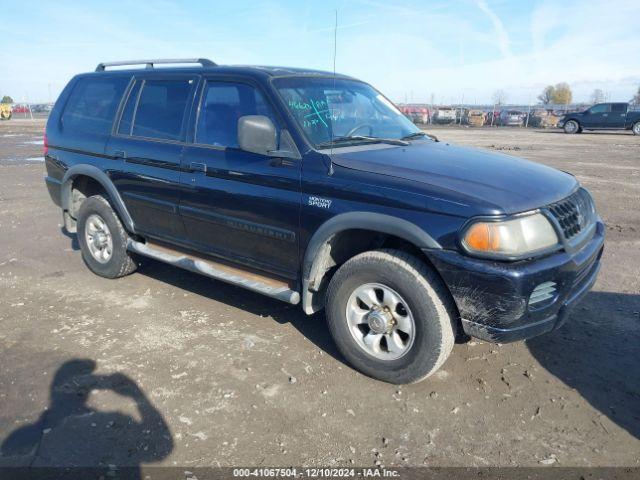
<point x="92" y="105"/>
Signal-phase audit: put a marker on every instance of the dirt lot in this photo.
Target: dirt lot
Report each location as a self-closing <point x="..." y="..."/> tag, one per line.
<point x="166" y="367"/>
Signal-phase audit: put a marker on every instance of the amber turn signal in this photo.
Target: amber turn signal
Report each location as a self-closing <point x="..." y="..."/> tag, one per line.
<point x="482" y="238"/>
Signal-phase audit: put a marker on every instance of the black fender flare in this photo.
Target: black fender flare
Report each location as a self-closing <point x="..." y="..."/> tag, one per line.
<point x="103" y="179"/>
<point x="377" y="222"/>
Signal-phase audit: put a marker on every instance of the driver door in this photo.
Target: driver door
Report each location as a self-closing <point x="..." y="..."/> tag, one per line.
<point x="237" y="205"/>
<point x="597" y="116"/>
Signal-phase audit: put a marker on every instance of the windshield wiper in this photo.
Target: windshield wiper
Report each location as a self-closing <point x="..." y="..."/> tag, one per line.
<point x="390" y="141"/>
<point x="414" y="135"/>
<point x="420" y="134"/>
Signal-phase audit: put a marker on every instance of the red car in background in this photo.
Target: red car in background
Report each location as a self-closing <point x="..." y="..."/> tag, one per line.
<point x="415" y="113"/>
<point x="20" y="109"/>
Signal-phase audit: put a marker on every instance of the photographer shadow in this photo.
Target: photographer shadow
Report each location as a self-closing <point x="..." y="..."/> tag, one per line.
<point x="72" y="434"/>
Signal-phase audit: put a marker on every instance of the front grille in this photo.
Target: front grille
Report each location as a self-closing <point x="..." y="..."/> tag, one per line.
<point x="574" y="214"/>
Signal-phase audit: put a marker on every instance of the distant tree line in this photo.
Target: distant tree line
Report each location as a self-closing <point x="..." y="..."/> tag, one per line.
<point x="6" y="99"/>
<point x="560" y="94"/>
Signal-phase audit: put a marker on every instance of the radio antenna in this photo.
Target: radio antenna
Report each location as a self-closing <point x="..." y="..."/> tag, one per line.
<point x="335" y="53"/>
<point x="335" y="46"/>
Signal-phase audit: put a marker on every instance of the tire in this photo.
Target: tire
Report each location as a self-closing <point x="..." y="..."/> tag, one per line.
<point x="424" y="300"/>
<point x="572" y="127"/>
<point x="98" y="225"/>
<point x="636" y="128"/>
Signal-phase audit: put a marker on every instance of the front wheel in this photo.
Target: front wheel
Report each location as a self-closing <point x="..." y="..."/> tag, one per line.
<point x="390" y="316"/>
<point x="636" y="128"/>
<point x="571" y="127"/>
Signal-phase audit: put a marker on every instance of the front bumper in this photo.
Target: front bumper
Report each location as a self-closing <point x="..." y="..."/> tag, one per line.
<point x="492" y="297"/>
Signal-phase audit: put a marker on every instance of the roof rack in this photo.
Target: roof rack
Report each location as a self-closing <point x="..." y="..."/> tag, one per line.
<point x="150" y="63"/>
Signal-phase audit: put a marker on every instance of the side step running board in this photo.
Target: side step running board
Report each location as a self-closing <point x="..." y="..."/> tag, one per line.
<point x="251" y="281"/>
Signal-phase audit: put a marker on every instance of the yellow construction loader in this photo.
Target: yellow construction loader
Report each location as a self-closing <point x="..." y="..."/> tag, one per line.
<point x="5" y="111"/>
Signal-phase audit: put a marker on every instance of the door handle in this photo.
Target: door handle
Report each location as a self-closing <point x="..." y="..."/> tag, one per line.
<point x="198" y="167"/>
<point x="120" y="154"/>
<point x="605" y="114"/>
<point x="281" y="162"/>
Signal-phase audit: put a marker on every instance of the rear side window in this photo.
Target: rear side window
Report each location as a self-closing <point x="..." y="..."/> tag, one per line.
<point x="619" y="107"/>
<point x="160" y="109"/>
<point x="92" y="104"/>
<point x="222" y="105"/>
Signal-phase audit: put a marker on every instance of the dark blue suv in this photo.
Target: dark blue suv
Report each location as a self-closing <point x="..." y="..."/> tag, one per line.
<point x="312" y="188"/>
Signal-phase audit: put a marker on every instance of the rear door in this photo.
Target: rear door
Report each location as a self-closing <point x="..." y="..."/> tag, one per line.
<point x="618" y="115"/>
<point x="241" y="206"/>
<point x="149" y="140"/>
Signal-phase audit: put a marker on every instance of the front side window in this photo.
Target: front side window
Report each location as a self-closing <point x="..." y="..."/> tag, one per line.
<point x="329" y="111"/>
<point x="602" y="108"/>
<point x="161" y="109"/>
<point x="223" y="103"/>
<point x="92" y="104"/>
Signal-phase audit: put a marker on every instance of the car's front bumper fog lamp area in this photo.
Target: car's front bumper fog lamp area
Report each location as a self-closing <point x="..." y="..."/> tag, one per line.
<point x="543" y="295"/>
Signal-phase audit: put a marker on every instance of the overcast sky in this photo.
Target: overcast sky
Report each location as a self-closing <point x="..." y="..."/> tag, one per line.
<point x="410" y="50"/>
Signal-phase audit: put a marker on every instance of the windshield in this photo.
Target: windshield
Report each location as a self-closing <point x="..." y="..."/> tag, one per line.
<point x="330" y="111"/>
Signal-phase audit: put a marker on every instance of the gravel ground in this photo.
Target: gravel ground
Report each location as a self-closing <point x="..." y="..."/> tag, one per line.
<point x="165" y="367"/>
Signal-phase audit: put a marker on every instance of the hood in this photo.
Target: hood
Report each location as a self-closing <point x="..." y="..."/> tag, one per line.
<point x="500" y="183"/>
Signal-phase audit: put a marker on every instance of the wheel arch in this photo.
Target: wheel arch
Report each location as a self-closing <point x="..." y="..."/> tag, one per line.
<point x="318" y="254"/>
<point x="94" y="173"/>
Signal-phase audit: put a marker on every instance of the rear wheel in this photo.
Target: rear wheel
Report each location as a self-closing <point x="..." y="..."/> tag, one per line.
<point x="103" y="239"/>
<point x="390" y="316"/>
<point x="636" y="128"/>
<point x="571" y="127"/>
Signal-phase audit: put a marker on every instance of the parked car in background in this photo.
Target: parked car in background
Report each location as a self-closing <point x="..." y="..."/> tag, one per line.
<point x="475" y="118"/>
<point x="602" y="116"/>
<point x="444" y="115"/>
<point x="543" y="118"/>
<point x="492" y="117"/>
<point x="415" y="113"/>
<point x="461" y="115"/>
<point x="511" y="118"/>
<point x="20" y="108"/>
<point x="5" y="111"/>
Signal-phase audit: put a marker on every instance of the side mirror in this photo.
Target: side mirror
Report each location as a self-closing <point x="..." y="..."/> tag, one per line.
<point x="257" y="134"/>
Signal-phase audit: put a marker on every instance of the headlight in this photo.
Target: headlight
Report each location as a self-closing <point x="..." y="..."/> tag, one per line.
<point x="510" y="238"/>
